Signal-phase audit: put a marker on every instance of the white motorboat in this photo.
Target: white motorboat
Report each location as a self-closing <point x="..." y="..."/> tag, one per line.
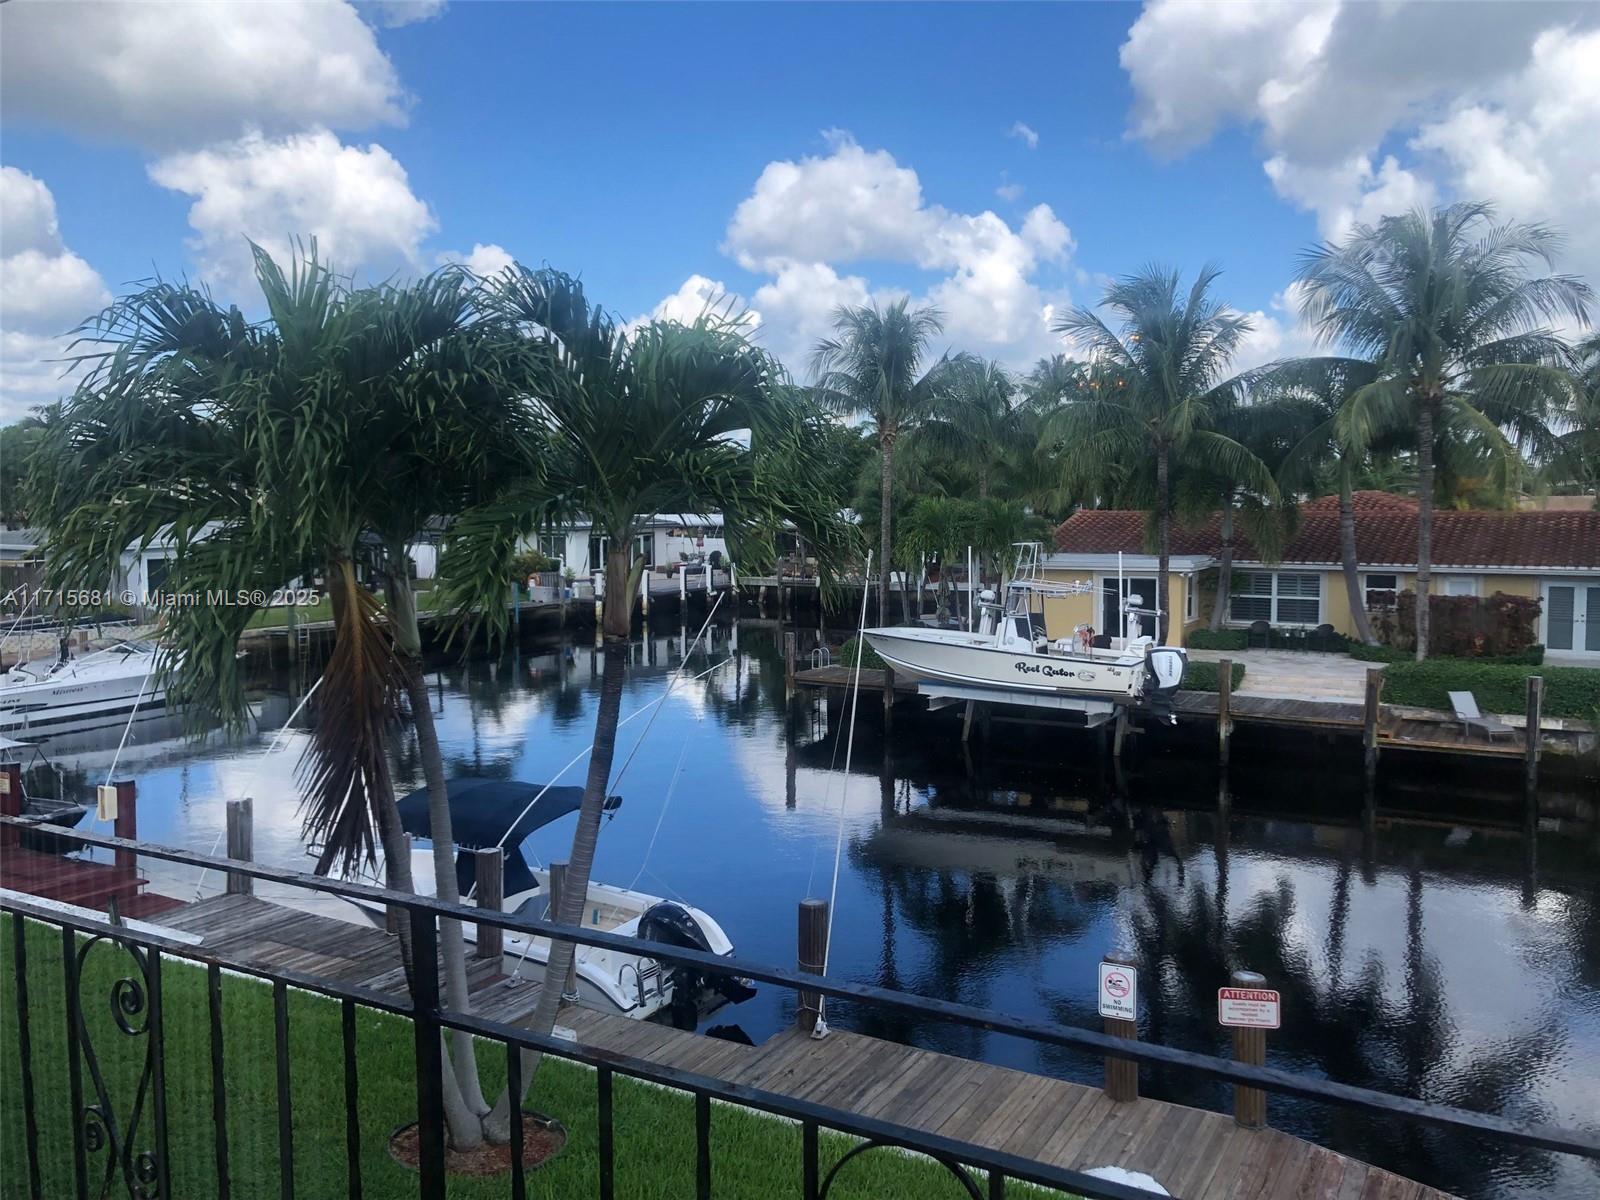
<point x="65" y="694"/>
<point x="1011" y="652"/>
<point x="485" y="811"/>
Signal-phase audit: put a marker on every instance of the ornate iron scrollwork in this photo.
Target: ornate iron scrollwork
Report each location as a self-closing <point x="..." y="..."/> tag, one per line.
<point x="133" y="1000"/>
<point x="962" y="1175"/>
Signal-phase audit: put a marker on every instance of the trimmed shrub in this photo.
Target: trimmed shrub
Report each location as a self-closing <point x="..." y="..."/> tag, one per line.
<point x="1498" y="687"/>
<point x="869" y="656"/>
<point x="1463" y="626"/>
<point x="1531" y="657"/>
<point x="1221" y="639"/>
<point x="1202" y="676"/>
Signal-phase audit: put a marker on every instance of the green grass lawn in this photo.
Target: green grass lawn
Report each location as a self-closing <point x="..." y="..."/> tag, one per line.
<point x="322" y="610"/>
<point x="755" y="1157"/>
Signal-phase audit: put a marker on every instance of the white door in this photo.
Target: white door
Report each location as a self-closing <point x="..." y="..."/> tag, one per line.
<point x="1571" y="617"/>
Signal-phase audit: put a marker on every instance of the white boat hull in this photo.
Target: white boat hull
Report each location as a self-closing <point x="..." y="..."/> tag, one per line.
<point x="38" y="701"/>
<point x="972" y="659"/>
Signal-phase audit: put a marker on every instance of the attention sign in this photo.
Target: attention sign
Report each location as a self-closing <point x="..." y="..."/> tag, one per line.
<point x="1119" y="992"/>
<point x="1247" y="1008"/>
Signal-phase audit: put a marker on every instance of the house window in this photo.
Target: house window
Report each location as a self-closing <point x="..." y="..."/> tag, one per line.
<point x="1381" y="591"/>
<point x="1458" y="585"/>
<point x="1189" y="590"/>
<point x="1281" y="597"/>
<point x="554" y="546"/>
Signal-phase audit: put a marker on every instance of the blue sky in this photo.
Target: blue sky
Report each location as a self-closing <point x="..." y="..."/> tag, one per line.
<point x="645" y="146"/>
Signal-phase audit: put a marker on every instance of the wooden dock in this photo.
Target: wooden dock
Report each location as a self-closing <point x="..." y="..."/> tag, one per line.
<point x="1192" y="1152"/>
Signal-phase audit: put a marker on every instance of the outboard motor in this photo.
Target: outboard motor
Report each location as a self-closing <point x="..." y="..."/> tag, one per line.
<point x="673" y="925"/>
<point x="1163" y="676"/>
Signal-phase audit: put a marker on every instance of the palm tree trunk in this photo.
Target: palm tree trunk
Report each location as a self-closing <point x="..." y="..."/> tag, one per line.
<point x="580" y="862"/>
<point x="885" y="492"/>
<point x="1347" y="554"/>
<point x="464" y="1103"/>
<point x="1164" y="533"/>
<point x="1219" y="606"/>
<point x="1424" y="519"/>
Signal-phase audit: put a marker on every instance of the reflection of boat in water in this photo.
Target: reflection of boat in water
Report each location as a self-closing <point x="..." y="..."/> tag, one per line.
<point x="48" y="813"/>
<point x="49" y="697"/>
<point x="490" y="812"/>
<point x="1010" y="651"/>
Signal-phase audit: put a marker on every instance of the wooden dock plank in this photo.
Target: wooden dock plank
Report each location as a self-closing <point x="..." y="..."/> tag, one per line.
<point x="1195" y="1153"/>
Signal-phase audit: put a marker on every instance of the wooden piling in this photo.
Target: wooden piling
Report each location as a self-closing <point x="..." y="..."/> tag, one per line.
<point x="1224" y="709"/>
<point x="966" y="721"/>
<point x="644" y="592"/>
<point x="1249" y="1049"/>
<point x="1369" y="726"/>
<point x="127" y="823"/>
<point x="1530" y="746"/>
<point x="490" y="866"/>
<point x="10" y="802"/>
<point x="241" y="845"/>
<point x="813" y="950"/>
<point x="791" y="641"/>
<point x="1121" y="733"/>
<point x="1122" y="1074"/>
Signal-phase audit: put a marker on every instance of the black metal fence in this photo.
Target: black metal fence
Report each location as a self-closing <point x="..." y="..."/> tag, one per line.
<point x="121" y="1144"/>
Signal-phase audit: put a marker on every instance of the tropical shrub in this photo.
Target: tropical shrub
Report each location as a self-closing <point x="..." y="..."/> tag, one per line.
<point x="1531" y="657"/>
<point x="869" y="657"/>
<point x="531" y="562"/>
<point x="1203" y="676"/>
<point x="1463" y="626"/>
<point x="1498" y="687"/>
<point x="1221" y="639"/>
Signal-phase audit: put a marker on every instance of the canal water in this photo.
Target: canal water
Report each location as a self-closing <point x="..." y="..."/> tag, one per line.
<point x="1431" y="947"/>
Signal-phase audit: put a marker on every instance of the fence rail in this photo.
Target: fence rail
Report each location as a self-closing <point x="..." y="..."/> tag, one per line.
<point x="140" y="1004"/>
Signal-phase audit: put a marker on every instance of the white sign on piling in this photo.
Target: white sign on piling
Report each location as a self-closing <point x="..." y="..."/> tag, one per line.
<point x="1119" y="992"/>
<point x="1247" y="1008"/>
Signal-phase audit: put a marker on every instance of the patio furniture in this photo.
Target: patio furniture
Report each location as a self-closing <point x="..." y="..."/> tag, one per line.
<point x="1258" y="629"/>
<point x="1325" y="637"/>
<point x="1466" y="708"/>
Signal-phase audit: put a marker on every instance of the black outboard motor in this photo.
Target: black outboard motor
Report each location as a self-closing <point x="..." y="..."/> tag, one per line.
<point x="673" y="925"/>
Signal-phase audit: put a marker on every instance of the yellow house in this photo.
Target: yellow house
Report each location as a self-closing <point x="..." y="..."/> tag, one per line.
<point x="1550" y="556"/>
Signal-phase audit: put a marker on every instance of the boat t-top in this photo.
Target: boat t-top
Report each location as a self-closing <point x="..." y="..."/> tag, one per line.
<point x="1010" y="650"/>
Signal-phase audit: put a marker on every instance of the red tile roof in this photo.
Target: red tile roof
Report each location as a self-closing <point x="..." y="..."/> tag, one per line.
<point x="1386" y="535"/>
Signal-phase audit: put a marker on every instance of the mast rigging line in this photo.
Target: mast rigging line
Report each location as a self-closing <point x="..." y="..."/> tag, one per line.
<point x="844" y="791"/>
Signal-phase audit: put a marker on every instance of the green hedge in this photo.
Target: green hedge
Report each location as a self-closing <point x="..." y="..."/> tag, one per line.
<point x="1533" y="656"/>
<point x="1221" y="639"/>
<point x="1202" y="676"/>
<point x="869" y="656"/>
<point x="1498" y="687"/>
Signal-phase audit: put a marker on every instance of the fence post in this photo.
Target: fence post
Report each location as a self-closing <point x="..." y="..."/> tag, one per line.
<point x="10" y="801"/>
<point x="1530" y="745"/>
<point x="1122" y="1074"/>
<point x="395" y="913"/>
<point x="813" y="943"/>
<point x="1369" y="726"/>
<point x="490" y="866"/>
<point x="1224" y="708"/>
<point x="428" y="1046"/>
<point x="241" y="845"/>
<point x="126" y="824"/>
<point x="1249" y="1049"/>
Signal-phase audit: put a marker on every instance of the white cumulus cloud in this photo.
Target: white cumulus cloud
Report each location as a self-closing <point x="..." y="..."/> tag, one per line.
<point x="806" y="219"/>
<point x="484" y="259"/>
<point x="355" y="201"/>
<point x="1025" y="133"/>
<point x="45" y="290"/>
<point x="178" y="74"/>
<point x="391" y="14"/>
<point x="1356" y="124"/>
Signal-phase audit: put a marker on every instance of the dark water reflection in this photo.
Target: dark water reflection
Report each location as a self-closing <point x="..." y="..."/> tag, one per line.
<point x="1430" y="948"/>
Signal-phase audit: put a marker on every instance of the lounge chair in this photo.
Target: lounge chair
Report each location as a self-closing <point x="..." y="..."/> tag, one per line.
<point x="1258" y="629"/>
<point x="1466" y="706"/>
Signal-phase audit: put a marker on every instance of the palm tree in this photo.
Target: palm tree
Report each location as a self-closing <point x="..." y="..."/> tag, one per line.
<point x="1310" y="394"/>
<point x="1446" y="305"/>
<point x="268" y="452"/>
<point x="1155" y="386"/>
<point x="976" y="421"/>
<point x="870" y="368"/>
<point x="936" y="528"/>
<point x="1575" y="453"/>
<point x="634" y="422"/>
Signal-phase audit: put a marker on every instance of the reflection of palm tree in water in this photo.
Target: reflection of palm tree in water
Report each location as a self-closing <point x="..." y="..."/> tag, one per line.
<point x="1345" y="1028"/>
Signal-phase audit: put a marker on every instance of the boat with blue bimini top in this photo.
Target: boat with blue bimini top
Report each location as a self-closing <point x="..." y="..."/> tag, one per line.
<point x="1010" y="651"/>
<point x="486" y="813"/>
